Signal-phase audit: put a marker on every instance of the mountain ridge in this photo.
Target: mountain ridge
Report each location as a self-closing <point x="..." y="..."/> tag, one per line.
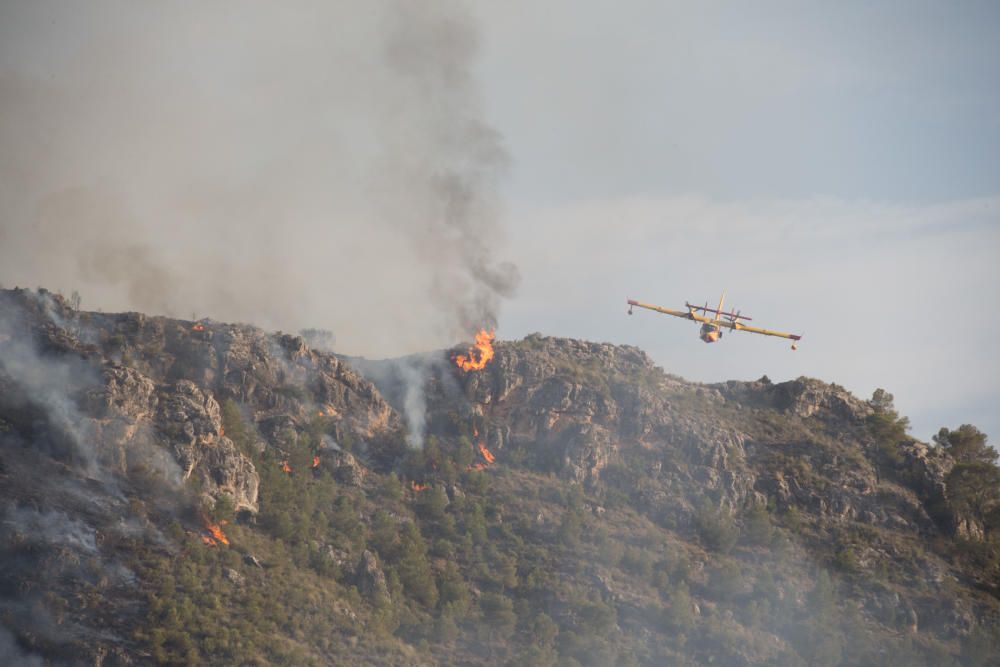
<point x="569" y="486"/>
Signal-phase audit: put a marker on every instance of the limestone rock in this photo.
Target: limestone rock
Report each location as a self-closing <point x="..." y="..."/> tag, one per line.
<point x="369" y="578"/>
<point x="344" y="466"/>
<point x="189" y="421"/>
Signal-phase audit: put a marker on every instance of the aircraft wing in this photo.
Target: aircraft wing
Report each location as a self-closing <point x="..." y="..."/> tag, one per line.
<point x="687" y="315"/>
<point x="737" y="326"/>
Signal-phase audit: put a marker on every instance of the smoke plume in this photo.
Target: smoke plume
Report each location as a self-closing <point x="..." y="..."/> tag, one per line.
<point x="43" y="391"/>
<point x="11" y="653"/>
<point x="403" y="382"/>
<point x="290" y="164"/>
<point x="51" y="527"/>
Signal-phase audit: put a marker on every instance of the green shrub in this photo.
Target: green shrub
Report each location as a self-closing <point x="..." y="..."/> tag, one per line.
<point x="716" y="528"/>
<point x="758" y="529"/>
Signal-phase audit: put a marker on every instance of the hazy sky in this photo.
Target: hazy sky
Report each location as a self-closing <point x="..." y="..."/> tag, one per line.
<point x="834" y="166"/>
<point x="372" y="167"/>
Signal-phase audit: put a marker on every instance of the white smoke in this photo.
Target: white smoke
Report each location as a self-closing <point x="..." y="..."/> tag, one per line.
<point x="414" y="401"/>
<point x="11" y="653"/>
<point x="51" y="527"/>
<point x="49" y="384"/>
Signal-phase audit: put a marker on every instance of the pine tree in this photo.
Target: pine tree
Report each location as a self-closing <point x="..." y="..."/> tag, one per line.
<point x="966" y="444"/>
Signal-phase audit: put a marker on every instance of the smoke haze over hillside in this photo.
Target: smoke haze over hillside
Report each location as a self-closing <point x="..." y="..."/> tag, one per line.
<point x="324" y="165"/>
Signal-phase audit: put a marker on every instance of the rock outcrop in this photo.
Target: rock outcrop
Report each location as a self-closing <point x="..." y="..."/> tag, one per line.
<point x="152" y="385"/>
<point x="369" y="578"/>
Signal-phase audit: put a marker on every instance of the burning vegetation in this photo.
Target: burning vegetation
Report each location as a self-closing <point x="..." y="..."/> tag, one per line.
<point x="479" y="354"/>
<point x="488" y="457"/>
<point x="215" y="533"/>
<point x="487" y="454"/>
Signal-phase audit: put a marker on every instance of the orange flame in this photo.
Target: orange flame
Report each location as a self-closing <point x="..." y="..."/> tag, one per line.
<point x="284" y="466"/>
<point x="216" y="531"/>
<point x="315" y="462"/>
<point x="479" y="354"/>
<point x="417" y="487"/>
<point x="478" y="466"/>
<point x="487" y="454"/>
<point x="198" y="326"/>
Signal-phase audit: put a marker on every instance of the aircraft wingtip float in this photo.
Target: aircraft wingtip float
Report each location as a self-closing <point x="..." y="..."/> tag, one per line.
<point x="711" y="328"/>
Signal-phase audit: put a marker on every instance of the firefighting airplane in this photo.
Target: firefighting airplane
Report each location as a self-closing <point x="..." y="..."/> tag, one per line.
<point x="711" y="329"/>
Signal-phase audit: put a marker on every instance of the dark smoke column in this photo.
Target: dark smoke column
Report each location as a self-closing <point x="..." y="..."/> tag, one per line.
<point x="441" y="164"/>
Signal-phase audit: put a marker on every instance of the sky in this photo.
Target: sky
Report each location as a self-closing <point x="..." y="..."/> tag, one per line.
<point x="831" y="166"/>
<point x="403" y="173"/>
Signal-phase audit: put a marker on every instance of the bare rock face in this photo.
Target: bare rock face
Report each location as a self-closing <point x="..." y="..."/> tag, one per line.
<point x="587" y="450"/>
<point x="249" y="372"/>
<point x="189" y="421"/>
<point x="119" y="413"/>
<point x="228" y="471"/>
<point x="117" y="404"/>
<point x="285" y="383"/>
<point x="926" y="466"/>
<point x="803" y="397"/>
<point x="369" y="578"/>
<point x="580" y="408"/>
<point x="715" y="460"/>
<point x="892" y="609"/>
<point x="280" y="430"/>
<point x="126" y="394"/>
<point x="552" y="394"/>
<point x="806" y="397"/>
<point x="954" y="616"/>
<point x="154" y="386"/>
<point x="344" y="467"/>
<point x="587" y="411"/>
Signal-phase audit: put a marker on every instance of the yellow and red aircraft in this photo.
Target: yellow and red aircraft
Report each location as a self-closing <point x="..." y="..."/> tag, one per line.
<point x="711" y="328"/>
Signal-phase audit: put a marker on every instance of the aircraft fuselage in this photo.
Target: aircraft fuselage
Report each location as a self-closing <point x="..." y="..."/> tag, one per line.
<point x="710" y="333"/>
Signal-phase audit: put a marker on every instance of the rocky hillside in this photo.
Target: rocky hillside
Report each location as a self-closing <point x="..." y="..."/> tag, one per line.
<point x="180" y="492"/>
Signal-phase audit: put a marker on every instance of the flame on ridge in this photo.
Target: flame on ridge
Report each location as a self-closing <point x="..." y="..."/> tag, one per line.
<point x="480" y="353"/>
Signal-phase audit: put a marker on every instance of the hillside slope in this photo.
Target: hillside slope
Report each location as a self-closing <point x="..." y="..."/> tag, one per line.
<point x="178" y="492"/>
